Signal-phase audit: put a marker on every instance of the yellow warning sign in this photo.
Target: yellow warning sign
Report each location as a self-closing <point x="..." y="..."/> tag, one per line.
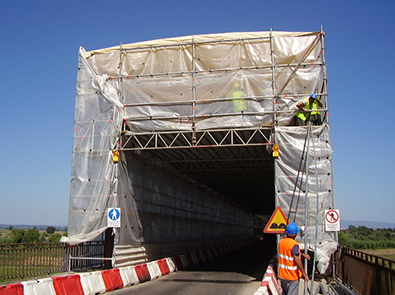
<point x="277" y="223"/>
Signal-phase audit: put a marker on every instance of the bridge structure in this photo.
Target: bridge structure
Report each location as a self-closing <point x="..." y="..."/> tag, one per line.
<point x="177" y="135"/>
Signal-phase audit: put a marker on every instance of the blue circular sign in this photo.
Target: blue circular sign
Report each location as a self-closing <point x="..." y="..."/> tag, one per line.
<point x="114" y="214"/>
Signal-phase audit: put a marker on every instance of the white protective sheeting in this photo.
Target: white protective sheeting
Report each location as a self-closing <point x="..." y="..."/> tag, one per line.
<point x="231" y="80"/>
<point x="180" y="83"/>
<point x="304" y="185"/>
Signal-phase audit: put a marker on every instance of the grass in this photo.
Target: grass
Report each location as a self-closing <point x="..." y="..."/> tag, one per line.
<point x="7" y="234"/>
<point x="385" y="253"/>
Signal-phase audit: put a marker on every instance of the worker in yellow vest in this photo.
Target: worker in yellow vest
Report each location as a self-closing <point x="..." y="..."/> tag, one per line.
<point x="290" y="266"/>
<point x="307" y="114"/>
<point x="239" y="104"/>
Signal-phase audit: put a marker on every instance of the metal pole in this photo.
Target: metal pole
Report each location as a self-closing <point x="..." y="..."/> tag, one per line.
<point x="324" y="78"/>
<point x="306" y="224"/>
<point x="316" y="220"/>
<point x="273" y="80"/>
<point x="69" y="262"/>
<point x="274" y="129"/>
<point x="193" y="90"/>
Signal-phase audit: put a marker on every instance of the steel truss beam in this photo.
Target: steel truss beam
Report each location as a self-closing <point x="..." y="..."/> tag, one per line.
<point x="196" y="139"/>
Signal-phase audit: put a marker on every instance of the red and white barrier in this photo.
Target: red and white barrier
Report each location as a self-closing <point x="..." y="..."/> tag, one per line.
<point x="163" y="267"/>
<point x="70" y="284"/>
<point x="154" y="270"/>
<point x="269" y="284"/>
<point x="100" y="282"/>
<point x="11" y="289"/>
<point x="129" y="276"/>
<point x="142" y="272"/>
<point x="37" y="287"/>
<point x="92" y="283"/>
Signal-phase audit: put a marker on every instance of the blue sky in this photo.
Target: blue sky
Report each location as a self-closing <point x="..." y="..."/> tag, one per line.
<point x="39" y="51"/>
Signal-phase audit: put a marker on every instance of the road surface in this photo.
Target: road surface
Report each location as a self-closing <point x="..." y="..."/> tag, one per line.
<point x="240" y="273"/>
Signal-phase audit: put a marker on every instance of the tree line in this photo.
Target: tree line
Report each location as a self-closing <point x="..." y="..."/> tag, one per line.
<point x="362" y="237"/>
<point x="31" y="235"/>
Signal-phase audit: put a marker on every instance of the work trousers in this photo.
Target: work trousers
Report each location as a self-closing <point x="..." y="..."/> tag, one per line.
<point x="290" y="287"/>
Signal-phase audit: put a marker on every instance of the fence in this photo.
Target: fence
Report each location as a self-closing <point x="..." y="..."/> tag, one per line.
<point x="20" y="261"/>
<point x="367" y="274"/>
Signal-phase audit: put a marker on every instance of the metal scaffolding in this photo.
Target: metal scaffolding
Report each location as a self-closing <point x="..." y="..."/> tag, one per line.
<point x="207" y="108"/>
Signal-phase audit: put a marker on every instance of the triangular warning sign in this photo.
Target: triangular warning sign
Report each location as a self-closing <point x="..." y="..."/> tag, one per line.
<point x="277" y="223"/>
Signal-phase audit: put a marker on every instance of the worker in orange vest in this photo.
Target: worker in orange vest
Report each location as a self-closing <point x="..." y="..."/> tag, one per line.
<point x="290" y="266"/>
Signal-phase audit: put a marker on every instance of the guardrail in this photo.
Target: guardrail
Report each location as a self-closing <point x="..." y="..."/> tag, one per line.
<point x="20" y="261"/>
<point x="365" y="273"/>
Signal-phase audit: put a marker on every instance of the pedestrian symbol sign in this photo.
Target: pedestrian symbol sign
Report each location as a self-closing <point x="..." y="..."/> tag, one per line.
<point x="277" y="223"/>
<point x="114" y="217"/>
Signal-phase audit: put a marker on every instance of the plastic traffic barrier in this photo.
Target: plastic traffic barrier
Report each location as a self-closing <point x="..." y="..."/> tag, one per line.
<point x="154" y="270"/>
<point x="184" y="261"/>
<point x="268" y="284"/>
<point x="178" y="262"/>
<point x="38" y="287"/>
<point x="129" y="275"/>
<point x="196" y="256"/>
<point x="189" y="259"/>
<point x="142" y="272"/>
<point x="67" y="285"/>
<point x="163" y="266"/>
<point x="171" y="264"/>
<point x="214" y="252"/>
<point x="272" y="281"/>
<point x="112" y="279"/>
<point x="263" y="289"/>
<point x="92" y="283"/>
<point x="11" y="289"/>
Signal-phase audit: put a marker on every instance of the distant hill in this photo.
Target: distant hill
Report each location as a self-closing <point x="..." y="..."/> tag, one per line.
<point x="370" y="224"/>
<point x="39" y="227"/>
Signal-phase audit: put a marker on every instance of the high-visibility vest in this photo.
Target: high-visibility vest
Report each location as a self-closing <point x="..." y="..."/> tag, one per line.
<point x="286" y="262"/>
<point x="316" y="106"/>
<point x="239" y="104"/>
<point x="313" y="106"/>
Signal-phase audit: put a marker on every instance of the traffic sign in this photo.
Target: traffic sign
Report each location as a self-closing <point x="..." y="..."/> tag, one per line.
<point x="332" y="220"/>
<point x="114" y="217"/>
<point x="277" y="223"/>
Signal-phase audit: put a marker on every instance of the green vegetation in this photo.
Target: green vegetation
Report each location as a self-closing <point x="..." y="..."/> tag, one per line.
<point x="32" y="235"/>
<point x="362" y="237"/>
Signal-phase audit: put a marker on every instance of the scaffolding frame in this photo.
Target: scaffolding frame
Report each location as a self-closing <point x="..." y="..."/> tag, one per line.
<point x="181" y="140"/>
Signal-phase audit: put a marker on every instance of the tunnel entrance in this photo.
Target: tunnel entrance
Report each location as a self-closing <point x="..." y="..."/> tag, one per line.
<point x="235" y="163"/>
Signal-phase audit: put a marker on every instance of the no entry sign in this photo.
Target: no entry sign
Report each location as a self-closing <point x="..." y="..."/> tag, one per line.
<point x="332" y="220"/>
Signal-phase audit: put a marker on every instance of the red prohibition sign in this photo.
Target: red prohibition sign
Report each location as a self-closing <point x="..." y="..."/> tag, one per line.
<point x="332" y="216"/>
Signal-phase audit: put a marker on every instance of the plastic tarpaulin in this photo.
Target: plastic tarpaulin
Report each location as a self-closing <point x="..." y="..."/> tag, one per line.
<point x="185" y="82"/>
<point x="304" y="185"/>
<point x="232" y="80"/>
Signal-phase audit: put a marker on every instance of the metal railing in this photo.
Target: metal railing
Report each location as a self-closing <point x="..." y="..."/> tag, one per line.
<point x="21" y="261"/>
<point x="365" y="273"/>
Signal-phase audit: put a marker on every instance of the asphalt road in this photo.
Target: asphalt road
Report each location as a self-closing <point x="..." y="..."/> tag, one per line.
<point x="240" y="272"/>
